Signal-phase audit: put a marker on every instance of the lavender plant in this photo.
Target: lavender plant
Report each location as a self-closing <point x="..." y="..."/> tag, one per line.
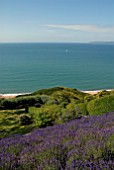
<point x="81" y="144"/>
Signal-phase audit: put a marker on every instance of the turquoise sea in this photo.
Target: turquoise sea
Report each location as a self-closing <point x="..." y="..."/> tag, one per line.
<point x="26" y="67"/>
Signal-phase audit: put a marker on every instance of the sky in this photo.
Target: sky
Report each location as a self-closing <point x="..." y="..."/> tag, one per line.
<point x="56" y="20"/>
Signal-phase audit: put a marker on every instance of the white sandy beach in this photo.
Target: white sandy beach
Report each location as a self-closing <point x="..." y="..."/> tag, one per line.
<point x="13" y="95"/>
<point x="95" y="91"/>
<point x="92" y="92"/>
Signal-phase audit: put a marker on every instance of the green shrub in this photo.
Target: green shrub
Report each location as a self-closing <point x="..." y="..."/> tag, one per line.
<point x="102" y="93"/>
<point x="63" y="105"/>
<point x="62" y="97"/>
<point x="64" y="92"/>
<point x="25" y="120"/>
<point x="110" y="144"/>
<point x="8" y="104"/>
<point x="101" y="105"/>
<point x="82" y="109"/>
<point x="30" y="101"/>
<point x="20" y="102"/>
<point x="43" y="117"/>
<point x="112" y="92"/>
<point x="48" y="91"/>
<point x="71" y="106"/>
<point x="68" y="115"/>
<point x="53" y="114"/>
<point x="88" y="98"/>
<point x="45" y="98"/>
<point x="79" y="108"/>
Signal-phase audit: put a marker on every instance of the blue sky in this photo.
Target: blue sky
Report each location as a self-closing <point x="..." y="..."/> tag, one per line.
<point x="56" y="20"/>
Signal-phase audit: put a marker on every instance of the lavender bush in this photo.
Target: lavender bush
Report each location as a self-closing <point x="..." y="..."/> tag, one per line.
<point x="82" y="144"/>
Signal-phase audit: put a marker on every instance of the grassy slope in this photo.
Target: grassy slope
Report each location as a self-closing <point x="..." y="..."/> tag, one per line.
<point x="51" y="106"/>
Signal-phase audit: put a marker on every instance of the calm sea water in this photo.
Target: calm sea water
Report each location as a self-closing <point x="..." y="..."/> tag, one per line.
<point x="29" y="67"/>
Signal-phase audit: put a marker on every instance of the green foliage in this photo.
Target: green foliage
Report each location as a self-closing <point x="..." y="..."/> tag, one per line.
<point x="53" y="114"/>
<point x="67" y="93"/>
<point x="7" y="104"/>
<point x="43" y="117"/>
<point x="47" y="107"/>
<point x="52" y="106"/>
<point x="10" y="122"/>
<point x="62" y="97"/>
<point x="48" y="91"/>
<point x="45" y="98"/>
<point x="19" y="103"/>
<point x="112" y="92"/>
<point x="82" y="107"/>
<point x="110" y="146"/>
<point x="101" y="105"/>
<point x="68" y="96"/>
<point x="88" y="98"/>
<point x="25" y="120"/>
<point x="56" y="95"/>
<point x="68" y="115"/>
<point x="103" y="93"/>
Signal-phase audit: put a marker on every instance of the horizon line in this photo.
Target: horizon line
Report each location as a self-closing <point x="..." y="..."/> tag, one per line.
<point x="45" y="42"/>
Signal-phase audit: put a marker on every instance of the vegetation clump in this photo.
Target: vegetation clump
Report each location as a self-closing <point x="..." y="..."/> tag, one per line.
<point x="101" y="105"/>
<point x="52" y="106"/>
<point x="25" y="120"/>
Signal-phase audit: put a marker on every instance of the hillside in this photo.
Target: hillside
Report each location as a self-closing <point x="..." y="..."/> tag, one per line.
<point x="48" y="107"/>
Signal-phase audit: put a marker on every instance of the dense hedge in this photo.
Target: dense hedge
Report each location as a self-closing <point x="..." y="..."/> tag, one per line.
<point x="101" y="105"/>
<point x="21" y="102"/>
<point x="53" y="114"/>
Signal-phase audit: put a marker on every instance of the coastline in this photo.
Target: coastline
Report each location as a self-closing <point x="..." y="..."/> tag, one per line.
<point x="13" y="95"/>
<point x="92" y="92"/>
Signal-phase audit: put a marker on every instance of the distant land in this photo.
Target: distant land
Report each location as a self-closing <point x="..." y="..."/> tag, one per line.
<point x="102" y="42"/>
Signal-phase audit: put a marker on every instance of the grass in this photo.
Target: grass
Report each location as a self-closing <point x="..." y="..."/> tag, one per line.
<point x="10" y="122"/>
<point x="51" y="106"/>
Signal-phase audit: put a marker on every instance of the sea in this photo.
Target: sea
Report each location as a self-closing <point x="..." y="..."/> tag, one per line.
<point x="27" y="67"/>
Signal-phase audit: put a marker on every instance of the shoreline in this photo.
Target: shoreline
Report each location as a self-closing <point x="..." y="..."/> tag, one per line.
<point x="13" y="95"/>
<point x="92" y="92"/>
